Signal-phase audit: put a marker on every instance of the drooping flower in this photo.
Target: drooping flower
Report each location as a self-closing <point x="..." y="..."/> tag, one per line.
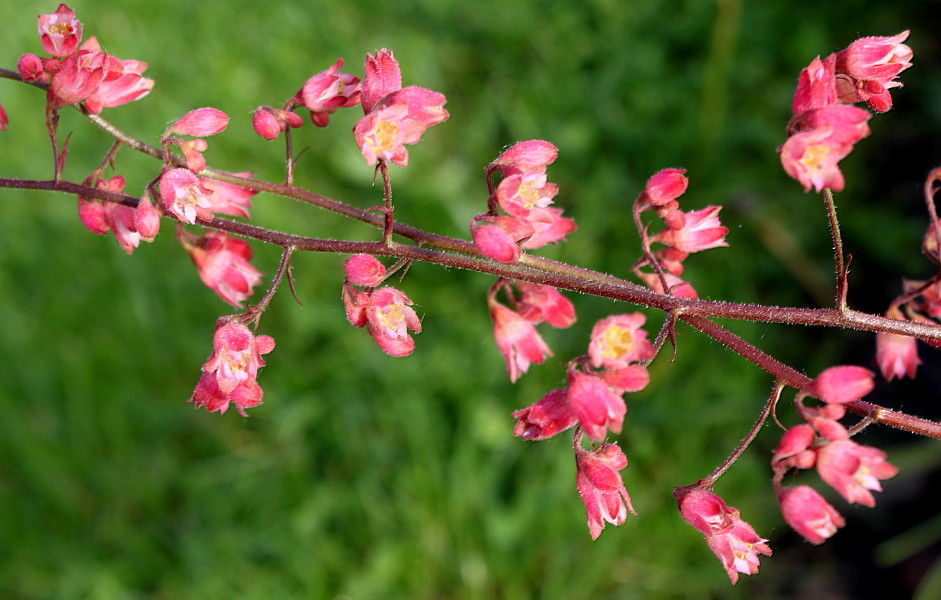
<point x="546" y="418"/>
<point x="538" y="303"/>
<point x="517" y="339"/>
<point x="121" y="80"/>
<point x="223" y="265"/>
<point x="867" y="70"/>
<point x="809" y="514"/>
<point x="854" y="470"/>
<point x="389" y="318"/>
<point x="896" y="354"/>
<point x="600" y="486"/>
<point x="229" y="376"/>
<point x="793" y="451"/>
<point x="528" y="156"/>
<point x="732" y="540"/>
<point x="130" y="225"/>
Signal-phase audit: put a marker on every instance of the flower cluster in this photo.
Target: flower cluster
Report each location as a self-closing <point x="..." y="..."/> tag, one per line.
<point x="322" y="94"/>
<point x="920" y="301"/>
<point x="825" y="125"/>
<point x="81" y="73"/>
<point x="853" y="470"/>
<point x="395" y="116"/>
<point x="229" y="376"/>
<point x="682" y="235"/>
<point x="731" y="539"/>
<point x="600" y="486"/>
<point x="386" y="312"/>
<point x="130" y="225"/>
<point x="514" y="326"/>
<point x="525" y="195"/>
<point x="597" y="382"/>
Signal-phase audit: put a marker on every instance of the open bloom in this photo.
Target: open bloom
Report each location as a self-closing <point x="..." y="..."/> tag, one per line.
<point x="619" y="340"/>
<point x="809" y="514"/>
<point x="184" y="195"/>
<point x="854" y="470"/>
<point x="389" y="318"/>
<point x="700" y="230"/>
<point x="731" y="539"/>
<point x="600" y="486"/>
<point x="229" y="376"/>
<point x="867" y="70"/>
<point x="395" y="116"/>
<point x="60" y="32"/>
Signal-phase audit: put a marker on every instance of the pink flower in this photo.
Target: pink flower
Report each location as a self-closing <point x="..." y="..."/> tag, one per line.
<point x="531" y="155"/>
<point x="546" y="418"/>
<point x="327" y="91"/>
<point x="389" y="319"/>
<point x="400" y="118"/>
<point x="816" y="86"/>
<point x="184" y="196"/>
<point x="60" y="32"/>
<point x="269" y="122"/>
<point x="596" y="406"/>
<point x="701" y="230"/>
<point x="876" y="59"/>
<point x="231" y="371"/>
<point x="30" y="68"/>
<point x="842" y="384"/>
<point x="364" y="270"/>
<point x="228" y="198"/>
<point x="811" y="156"/>
<point x="121" y="80"/>
<point x="619" y="340"/>
<point x="665" y="186"/>
<point x="517" y="340"/>
<point x="355" y="302"/>
<point x="200" y="122"/>
<point x="383" y="76"/>
<point x="809" y="514"/>
<point x="853" y="470"/>
<point x="793" y="450"/>
<point x="897" y="355"/>
<point x="600" y="486"/>
<point x="678" y="287"/>
<point x="223" y="265"/>
<point x="129" y="225"/>
<point x="549" y="227"/>
<point x="732" y="540"/>
<point x="538" y="303"/>
<point x="495" y="242"/>
<point x="520" y="193"/>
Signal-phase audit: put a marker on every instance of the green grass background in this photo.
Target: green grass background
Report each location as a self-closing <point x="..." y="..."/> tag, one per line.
<point x="364" y="476"/>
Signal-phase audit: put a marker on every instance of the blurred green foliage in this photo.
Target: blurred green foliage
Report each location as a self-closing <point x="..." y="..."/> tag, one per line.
<point x="364" y="476"/>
